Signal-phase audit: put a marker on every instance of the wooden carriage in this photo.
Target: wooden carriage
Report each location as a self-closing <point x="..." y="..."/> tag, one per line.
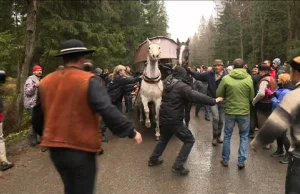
<point x="168" y="49"/>
<point x="167" y="58"/>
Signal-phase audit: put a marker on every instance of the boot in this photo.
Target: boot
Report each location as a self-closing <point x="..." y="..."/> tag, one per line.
<point x="207" y="118"/>
<point x="219" y="140"/>
<point x="32" y="140"/>
<point x="104" y="138"/>
<point x="187" y="124"/>
<point x="101" y="152"/>
<point x="214" y="142"/>
<point x="4" y="165"/>
<point x="180" y="170"/>
<point x="224" y="163"/>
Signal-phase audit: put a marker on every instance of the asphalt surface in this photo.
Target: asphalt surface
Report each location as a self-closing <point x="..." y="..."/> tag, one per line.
<point x="123" y="168"/>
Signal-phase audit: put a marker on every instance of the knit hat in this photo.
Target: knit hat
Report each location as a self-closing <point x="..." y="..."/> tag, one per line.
<point x="295" y="63"/>
<point x="37" y="68"/>
<point x="277" y="61"/>
<point x="180" y="72"/>
<point x="98" y="71"/>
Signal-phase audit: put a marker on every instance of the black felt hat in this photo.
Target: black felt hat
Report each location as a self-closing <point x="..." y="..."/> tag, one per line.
<point x="73" y="46"/>
<point x="264" y="67"/>
<point x="295" y="63"/>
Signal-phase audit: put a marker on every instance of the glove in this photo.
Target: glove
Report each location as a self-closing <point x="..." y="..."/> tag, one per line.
<point x="269" y="93"/>
<point x="1" y="117"/>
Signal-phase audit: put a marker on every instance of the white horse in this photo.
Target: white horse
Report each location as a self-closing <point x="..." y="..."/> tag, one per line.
<point x="151" y="87"/>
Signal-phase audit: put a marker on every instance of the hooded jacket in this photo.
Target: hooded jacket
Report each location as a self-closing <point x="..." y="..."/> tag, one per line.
<point x="280" y="92"/>
<point x="31" y="92"/>
<point x="237" y="90"/>
<point x="177" y="92"/>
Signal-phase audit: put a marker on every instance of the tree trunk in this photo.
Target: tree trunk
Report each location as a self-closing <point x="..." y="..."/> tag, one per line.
<point x="290" y="29"/>
<point x="28" y="55"/>
<point x="262" y="37"/>
<point x="241" y="39"/>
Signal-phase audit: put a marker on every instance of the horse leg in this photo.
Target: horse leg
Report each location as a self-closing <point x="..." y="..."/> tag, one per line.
<point x="141" y="113"/>
<point x="146" y="109"/>
<point x="157" y="107"/>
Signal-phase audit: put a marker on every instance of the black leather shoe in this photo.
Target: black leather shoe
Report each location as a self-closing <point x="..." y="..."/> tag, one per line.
<point x="241" y="165"/>
<point x="180" y="170"/>
<point x="155" y="162"/>
<point x="101" y="152"/>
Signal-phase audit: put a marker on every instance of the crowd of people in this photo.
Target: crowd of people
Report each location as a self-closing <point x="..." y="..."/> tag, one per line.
<point x="264" y="99"/>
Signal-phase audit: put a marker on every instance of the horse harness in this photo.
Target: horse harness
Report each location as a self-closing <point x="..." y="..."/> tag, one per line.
<point x="152" y="80"/>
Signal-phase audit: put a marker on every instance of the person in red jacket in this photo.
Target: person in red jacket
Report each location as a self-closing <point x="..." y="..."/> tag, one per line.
<point x="272" y="71"/>
<point x="4" y="163"/>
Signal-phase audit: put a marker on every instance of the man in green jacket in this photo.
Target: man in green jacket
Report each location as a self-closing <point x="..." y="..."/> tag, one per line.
<point x="237" y="90"/>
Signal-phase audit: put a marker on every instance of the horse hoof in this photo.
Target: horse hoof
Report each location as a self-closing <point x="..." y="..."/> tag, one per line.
<point x="148" y="125"/>
<point x="141" y="121"/>
<point x="157" y="138"/>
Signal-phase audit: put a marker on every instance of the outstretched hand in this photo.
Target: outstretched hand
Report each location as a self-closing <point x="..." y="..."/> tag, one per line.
<point x="269" y="92"/>
<point x="138" y="138"/>
<point x="188" y="69"/>
<point x="219" y="99"/>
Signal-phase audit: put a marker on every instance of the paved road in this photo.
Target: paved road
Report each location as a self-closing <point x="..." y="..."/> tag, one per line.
<point x="123" y="169"/>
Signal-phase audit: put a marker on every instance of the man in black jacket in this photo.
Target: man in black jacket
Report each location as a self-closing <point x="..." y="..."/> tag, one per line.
<point x="213" y="79"/>
<point x="176" y="94"/>
<point x="253" y="116"/>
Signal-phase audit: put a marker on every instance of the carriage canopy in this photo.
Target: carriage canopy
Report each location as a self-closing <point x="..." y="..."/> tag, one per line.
<point x="167" y="45"/>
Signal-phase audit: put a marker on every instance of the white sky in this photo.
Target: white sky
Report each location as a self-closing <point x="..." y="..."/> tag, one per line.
<point x="185" y="16"/>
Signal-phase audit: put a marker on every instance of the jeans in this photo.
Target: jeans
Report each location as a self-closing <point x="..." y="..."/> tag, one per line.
<point x="244" y="127"/>
<point x="76" y="168"/>
<point x="292" y="182"/>
<point x="182" y="133"/>
<point x="206" y="107"/>
<point x="128" y="102"/>
<point x="187" y="113"/>
<point x="218" y="119"/>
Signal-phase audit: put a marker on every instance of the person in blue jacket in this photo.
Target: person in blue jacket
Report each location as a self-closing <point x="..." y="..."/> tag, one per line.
<point x="284" y="87"/>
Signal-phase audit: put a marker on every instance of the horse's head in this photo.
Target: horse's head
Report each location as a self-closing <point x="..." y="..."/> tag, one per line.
<point x="154" y="50"/>
<point x="183" y="52"/>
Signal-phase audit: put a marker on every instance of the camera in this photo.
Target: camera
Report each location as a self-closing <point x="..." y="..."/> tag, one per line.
<point x="2" y="76"/>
